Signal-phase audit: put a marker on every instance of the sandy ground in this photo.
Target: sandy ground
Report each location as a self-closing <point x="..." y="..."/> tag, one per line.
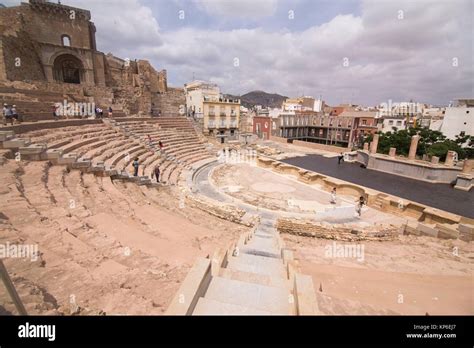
<point x="412" y="275"/>
<point x="104" y="247"/>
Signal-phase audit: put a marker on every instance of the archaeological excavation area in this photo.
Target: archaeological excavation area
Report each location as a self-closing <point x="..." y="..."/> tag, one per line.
<point x="117" y="200"/>
<point x="228" y="230"/>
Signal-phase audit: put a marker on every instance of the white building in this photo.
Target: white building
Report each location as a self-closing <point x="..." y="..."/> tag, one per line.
<point x="196" y="92"/>
<point x="458" y="120"/>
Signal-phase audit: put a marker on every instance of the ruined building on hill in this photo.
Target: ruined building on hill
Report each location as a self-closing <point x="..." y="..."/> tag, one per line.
<point x="48" y="54"/>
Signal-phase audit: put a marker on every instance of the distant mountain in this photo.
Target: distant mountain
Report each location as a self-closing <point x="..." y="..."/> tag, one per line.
<point x="262" y="98"/>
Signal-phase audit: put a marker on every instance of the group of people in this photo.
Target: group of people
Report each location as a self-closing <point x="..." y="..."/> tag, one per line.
<point x="360" y="201"/>
<point x="9" y="114"/>
<point x="156" y="170"/>
<point x="99" y="113"/>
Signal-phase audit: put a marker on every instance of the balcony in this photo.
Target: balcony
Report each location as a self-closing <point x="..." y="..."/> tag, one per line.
<point x="212" y="113"/>
<point x="222" y="113"/>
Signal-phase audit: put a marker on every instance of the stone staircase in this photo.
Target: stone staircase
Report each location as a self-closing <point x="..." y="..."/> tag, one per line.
<point x="255" y="276"/>
<point x="23" y="149"/>
<point x="36" y="105"/>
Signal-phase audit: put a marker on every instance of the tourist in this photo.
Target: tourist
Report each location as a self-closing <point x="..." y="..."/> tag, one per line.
<point x="15" y="114"/>
<point x="55" y="112"/>
<point x="333" y="196"/>
<point x="149" y="139"/>
<point x="110" y="112"/>
<point x="135" y="167"/>
<point x="5" y="113"/>
<point x="160" y="144"/>
<point x="340" y="158"/>
<point x="360" y="204"/>
<point x="8" y="115"/>
<point x="156" y="173"/>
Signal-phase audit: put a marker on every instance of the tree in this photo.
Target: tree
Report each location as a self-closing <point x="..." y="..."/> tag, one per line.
<point x="441" y="149"/>
<point x="431" y="142"/>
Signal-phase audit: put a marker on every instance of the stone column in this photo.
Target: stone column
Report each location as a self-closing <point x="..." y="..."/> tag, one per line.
<point x="413" y="146"/>
<point x="468" y="166"/>
<point x="434" y="160"/>
<point x="392" y="152"/>
<point x="374" y="144"/>
<point x="450" y="158"/>
<point x="366" y="146"/>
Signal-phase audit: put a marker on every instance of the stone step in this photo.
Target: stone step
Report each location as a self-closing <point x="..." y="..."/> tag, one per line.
<point x="261" y="297"/>
<point x="255" y="278"/>
<point x="262" y="246"/>
<point x="257" y="264"/>
<point x="212" y="307"/>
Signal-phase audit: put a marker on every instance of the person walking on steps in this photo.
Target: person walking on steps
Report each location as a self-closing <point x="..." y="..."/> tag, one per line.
<point x="156" y="173"/>
<point x="110" y="112"/>
<point x="135" y="167"/>
<point x="15" y="114"/>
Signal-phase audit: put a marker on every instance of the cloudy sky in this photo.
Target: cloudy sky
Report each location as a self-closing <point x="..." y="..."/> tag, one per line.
<point x="360" y="51"/>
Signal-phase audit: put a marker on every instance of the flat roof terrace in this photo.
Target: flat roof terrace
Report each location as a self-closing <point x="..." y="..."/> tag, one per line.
<point x="440" y="196"/>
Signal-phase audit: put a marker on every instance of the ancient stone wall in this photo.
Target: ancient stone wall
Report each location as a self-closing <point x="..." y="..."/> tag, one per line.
<point x="20" y="59"/>
<point x="316" y="146"/>
<point x="31" y="38"/>
<point x="170" y="103"/>
<point x="310" y="229"/>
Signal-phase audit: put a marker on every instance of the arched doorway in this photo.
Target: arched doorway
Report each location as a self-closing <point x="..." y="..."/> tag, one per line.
<point x="68" y="69"/>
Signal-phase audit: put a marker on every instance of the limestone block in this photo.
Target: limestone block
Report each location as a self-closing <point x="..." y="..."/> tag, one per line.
<point x="466" y="232"/>
<point x="446" y="231"/>
<point x="392" y="152"/>
<point x="464" y="182"/>
<point x="32" y="149"/>
<point x="435" y="160"/>
<point x="6" y="135"/>
<point x="53" y="154"/>
<point x="81" y="164"/>
<point x="306" y="301"/>
<point x="427" y="230"/>
<point x="194" y="286"/>
<point x="15" y="143"/>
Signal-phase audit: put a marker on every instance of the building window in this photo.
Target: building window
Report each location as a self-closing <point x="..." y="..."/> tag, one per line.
<point x="390" y="122"/>
<point x="66" y="40"/>
<point x="364" y="122"/>
<point x="462" y="134"/>
<point x="399" y="123"/>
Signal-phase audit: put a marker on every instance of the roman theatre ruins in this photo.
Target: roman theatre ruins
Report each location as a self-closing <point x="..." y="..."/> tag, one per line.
<point x="245" y="227"/>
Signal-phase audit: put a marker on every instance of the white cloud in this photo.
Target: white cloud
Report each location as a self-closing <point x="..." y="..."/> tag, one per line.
<point x="389" y="58"/>
<point x="253" y="9"/>
<point x="123" y="26"/>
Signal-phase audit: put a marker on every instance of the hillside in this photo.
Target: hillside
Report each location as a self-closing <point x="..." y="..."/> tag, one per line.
<point x="253" y="98"/>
